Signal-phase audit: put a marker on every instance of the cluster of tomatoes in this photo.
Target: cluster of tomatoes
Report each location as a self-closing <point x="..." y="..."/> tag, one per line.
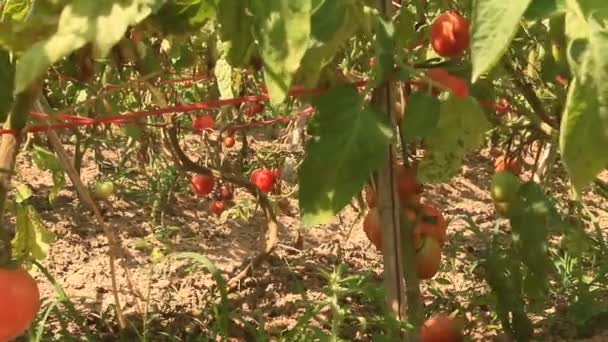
<point x="206" y="122"/>
<point x="428" y="222"/>
<point x="204" y="184"/>
<point x="19" y="302"/>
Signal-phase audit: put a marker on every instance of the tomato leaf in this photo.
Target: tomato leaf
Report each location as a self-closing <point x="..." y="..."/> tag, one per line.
<point x="405" y="31"/>
<point x="461" y="127"/>
<point x="102" y="23"/>
<point x="235" y="31"/>
<point x="182" y="16"/>
<point x="384" y="50"/>
<point x="15" y="10"/>
<point x="421" y="115"/>
<point x="7" y="76"/>
<point x="494" y="25"/>
<point x="332" y="24"/>
<point x="583" y="134"/>
<point x="540" y="9"/>
<point x="347" y="143"/>
<point x="32" y="240"/>
<point x="223" y="74"/>
<point x="283" y="32"/>
<point x="46" y="159"/>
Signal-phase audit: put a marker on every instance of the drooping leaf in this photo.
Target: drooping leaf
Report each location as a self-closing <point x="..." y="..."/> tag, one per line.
<point x="283" y="31"/>
<point x="347" y="144"/>
<point x="461" y="127"/>
<point x="46" y="159"/>
<point x="22" y="193"/>
<point x="102" y="23"/>
<point x="32" y="240"/>
<point x="421" y="115"/>
<point x="235" y="31"/>
<point x="583" y="134"/>
<point x="223" y="74"/>
<point x="494" y="25"/>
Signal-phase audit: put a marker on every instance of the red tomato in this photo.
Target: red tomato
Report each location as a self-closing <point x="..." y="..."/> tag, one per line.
<point x="455" y="83"/>
<point x="253" y="109"/>
<point x="202" y="184"/>
<point x="229" y="142"/>
<point x="441" y="328"/>
<point x="19" y="302"/>
<point x="217" y="207"/>
<point x="263" y="179"/>
<point x="203" y="122"/>
<point x="450" y="34"/>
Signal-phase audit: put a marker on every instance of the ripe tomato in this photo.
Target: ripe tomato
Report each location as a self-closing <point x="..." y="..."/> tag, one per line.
<point x="229" y="142"/>
<point x="450" y="34"/>
<point x="432" y="223"/>
<point x="217" y="207"/>
<point x="226" y="192"/>
<point x="511" y="164"/>
<point x="441" y="328"/>
<point x="455" y="83"/>
<point x="203" y="122"/>
<point x="202" y="184"/>
<point x="253" y="109"/>
<point x="19" y="302"/>
<point x="428" y="258"/>
<point x="263" y="179"/>
<point x="371" y="227"/>
<point x="408" y="187"/>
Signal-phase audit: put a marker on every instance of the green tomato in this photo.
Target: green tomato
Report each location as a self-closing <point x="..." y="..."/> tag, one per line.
<point x="103" y="190"/>
<point x="504" y="187"/>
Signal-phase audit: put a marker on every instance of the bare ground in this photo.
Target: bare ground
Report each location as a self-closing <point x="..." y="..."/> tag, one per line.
<point x="78" y="258"/>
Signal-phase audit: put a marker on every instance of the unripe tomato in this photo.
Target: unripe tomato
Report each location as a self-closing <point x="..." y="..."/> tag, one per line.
<point x="456" y="84"/>
<point x="263" y="179"/>
<point x="217" y="207"/>
<point x="441" y="328"/>
<point x="428" y="258"/>
<point x="202" y="184"/>
<point x="503" y="163"/>
<point x="203" y="122"/>
<point x="504" y="187"/>
<point x="229" y="142"/>
<point x="450" y="34"/>
<point x="19" y="302"/>
<point x="103" y="190"/>
<point x="253" y="109"/>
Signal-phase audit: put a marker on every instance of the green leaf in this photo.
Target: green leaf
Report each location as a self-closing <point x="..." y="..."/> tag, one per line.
<point x="530" y="230"/>
<point x="223" y="75"/>
<point x="183" y="16"/>
<point x="404" y="28"/>
<point x="46" y="159"/>
<point x="283" y="32"/>
<point x="15" y="10"/>
<point x="347" y="144"/>
<point x="421" y="115"/>
<point x="22" y="193"/>
<point x="235" y="31"/>
<point x="583" y="135"/>
<point x="333" y="23"/>
<point x="461" y="128"/>
<point x="384" y="50"/>
<point x="102" y="23"/>
<point x="540" y="9"/>
<point x="494" y="25"/>
<point x="32" y="240"/>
